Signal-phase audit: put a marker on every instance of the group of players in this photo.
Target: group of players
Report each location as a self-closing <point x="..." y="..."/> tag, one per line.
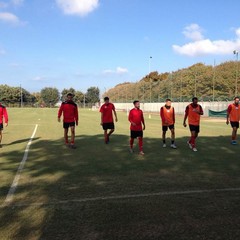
<point x="69" y="110"/>
<point x="193" y="112"/>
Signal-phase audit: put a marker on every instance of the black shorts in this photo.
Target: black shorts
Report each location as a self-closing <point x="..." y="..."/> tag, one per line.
<point x="194" y="128"/>
<point x="107" y="126"/>
<point x="1" y="126"/>
<point x="136" y="134"/>
<point x="165" y="128"/>
<point x="68" y="124"/>
<point x="235" y="124"/>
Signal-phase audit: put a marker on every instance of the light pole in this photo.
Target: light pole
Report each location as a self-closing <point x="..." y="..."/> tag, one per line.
<point x="149" y="70"/>
<point x="213" y="81"/>
<point x="236" y="80"/>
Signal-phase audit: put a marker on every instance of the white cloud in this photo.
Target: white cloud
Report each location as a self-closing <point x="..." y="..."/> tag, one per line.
<point x="17" y="2"/>
<point x="193" y="31"/>
<point x="10" y="18"/>
<point x="201" y="46"/>
<point x="119" y="70"/>
<point x="2" y="51"/>
<point x="39" y="78"/>
<point x="77" y="7"/>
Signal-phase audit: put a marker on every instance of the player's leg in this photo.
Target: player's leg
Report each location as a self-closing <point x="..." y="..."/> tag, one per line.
<point x="0" y="138"/>
<point x="195" y="135"/>
<point x="234" y="135"/>
<point x="105" y="129"/>
<point x="164" y="130"/>
<point x="173" y="145"/>
<point x="140" y="142"/>
<point x="111" y="127"/>
<point x="131" y="141"/>
<point x="65" y="127"/>
<point x="72" y="136"/>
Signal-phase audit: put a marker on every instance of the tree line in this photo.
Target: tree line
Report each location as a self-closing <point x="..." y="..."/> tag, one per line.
<point x="209" y="83"/>
<point x="47" y="97"/>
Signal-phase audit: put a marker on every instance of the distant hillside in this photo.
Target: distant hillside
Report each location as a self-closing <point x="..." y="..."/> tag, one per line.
<point x="204" y="81"/>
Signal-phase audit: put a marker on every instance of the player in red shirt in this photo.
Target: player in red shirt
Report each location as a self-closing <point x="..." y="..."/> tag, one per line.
<point x="107" y="118"/>
<point x="193" y="112"/>
<point x="3" y="115"/>
<point x="69" y="109"/>
<point x="167" y="115"/>
<point x="233" y="112"/>
<point x="137" y="126"/>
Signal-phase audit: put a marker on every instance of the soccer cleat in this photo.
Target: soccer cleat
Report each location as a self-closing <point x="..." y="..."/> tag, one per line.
<point x="141" y="153"/>
<point x="173" y="146"/>
<point x="234" y="142"/>
<point x="189" y="144"/>
<point x="130" y="150"/>
<point x="72" y="146"/>
<point x="194" y="149"/>
<point x="164" y="145"/>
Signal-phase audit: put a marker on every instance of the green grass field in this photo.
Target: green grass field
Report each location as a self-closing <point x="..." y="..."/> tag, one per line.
<point x="100" y="191"/>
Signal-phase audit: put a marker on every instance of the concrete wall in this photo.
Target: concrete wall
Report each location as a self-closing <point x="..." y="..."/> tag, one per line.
<point x="178" y="106"/>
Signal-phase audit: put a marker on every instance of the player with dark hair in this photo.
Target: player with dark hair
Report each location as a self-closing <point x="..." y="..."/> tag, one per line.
<point x="233" y="112"/>
<point x="3" y="115"/>
<point x="137" y="126"/>
<point x="193" y="112"/>
<point x="69" y="109"/>
<point x="167" y="115"/>
<point x="107" y="118"/>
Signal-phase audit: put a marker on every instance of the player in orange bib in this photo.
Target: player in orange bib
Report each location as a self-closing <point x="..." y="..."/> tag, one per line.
<point x="193" y="112"/>
<point x="233" y="113"/>
<point x="167" y="115"/>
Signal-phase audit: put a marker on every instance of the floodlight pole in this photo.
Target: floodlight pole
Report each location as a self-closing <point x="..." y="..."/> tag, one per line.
<point x="149" y="71"/>
<point x="236" y="80"/>
<point x="213" y="83"/>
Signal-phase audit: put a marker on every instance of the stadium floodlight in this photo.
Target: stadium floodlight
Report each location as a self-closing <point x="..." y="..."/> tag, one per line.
<point x="235" y="52"/>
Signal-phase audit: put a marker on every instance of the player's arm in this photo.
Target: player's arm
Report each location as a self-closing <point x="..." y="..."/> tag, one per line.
<point x="200" y="112"/>
<point x="60" y="113"/>
<point x="115" y="113"/>
<point x="143" y="122"/>
<point x="76" y="115"/>
<point x="101" y="118"/>
<point x="173" y="116"/>
<point x="228" y="113"/>
<point x="185" y="116"/>
<point x="5" y="114"/>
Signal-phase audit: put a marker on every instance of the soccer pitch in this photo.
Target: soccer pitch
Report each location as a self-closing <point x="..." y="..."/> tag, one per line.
<point x="100" y="191"/>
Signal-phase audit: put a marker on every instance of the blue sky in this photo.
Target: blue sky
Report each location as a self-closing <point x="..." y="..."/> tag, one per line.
<point x="84" y="43"/>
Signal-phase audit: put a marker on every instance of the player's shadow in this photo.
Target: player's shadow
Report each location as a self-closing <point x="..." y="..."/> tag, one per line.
<point x="56" y="177"/>
<point x="22" y="141"/>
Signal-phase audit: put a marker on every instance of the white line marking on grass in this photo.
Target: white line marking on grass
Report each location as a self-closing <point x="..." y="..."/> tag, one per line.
<point x="14" y="185"/>
<point x="130" y="196"/>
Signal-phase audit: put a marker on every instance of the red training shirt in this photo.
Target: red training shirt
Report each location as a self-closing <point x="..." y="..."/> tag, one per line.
<point x="106" y="110"/>
<point x="69" y="110"/>
<point x="136" y="116"/>
<point x="3" y="114"/>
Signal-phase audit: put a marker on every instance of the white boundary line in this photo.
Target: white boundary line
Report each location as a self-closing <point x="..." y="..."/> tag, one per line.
<point x="14" y="185"/>
<point x="133" y="196"/>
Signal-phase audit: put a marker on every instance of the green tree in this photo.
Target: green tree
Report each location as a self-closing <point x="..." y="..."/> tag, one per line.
<point x="93" y="95"/>
<point x="50" y="96"/>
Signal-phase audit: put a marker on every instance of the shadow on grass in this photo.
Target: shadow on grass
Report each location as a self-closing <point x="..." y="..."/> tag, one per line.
<point x="54" y="174"/>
